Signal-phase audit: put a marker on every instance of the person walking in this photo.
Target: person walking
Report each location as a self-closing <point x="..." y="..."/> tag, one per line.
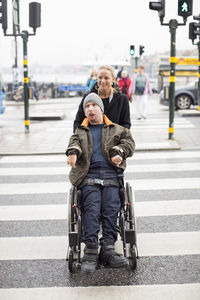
<point x="116" y="104"/>
<point x="124" y="83"/>
<point x="119" y="74"/>
<point x="91" y="80"/>
<point x="140" y="87"/>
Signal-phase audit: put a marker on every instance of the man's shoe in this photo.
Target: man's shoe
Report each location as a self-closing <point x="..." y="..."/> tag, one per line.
<point x="90" y="258"/>
<point x="109" y="257"/>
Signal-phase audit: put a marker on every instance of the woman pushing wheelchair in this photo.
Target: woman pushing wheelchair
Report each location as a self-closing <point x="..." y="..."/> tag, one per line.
<point x="97" y="153"/>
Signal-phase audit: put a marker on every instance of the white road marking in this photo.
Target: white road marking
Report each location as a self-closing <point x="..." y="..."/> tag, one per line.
<point x="55" y="247"/>
<point x="138" y="292"/>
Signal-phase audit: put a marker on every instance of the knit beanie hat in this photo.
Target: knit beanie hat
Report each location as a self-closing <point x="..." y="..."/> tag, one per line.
<point x="93" y="97"/>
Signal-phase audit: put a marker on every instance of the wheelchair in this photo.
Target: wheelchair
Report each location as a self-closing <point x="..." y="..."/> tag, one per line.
<point x="126" y="227"/>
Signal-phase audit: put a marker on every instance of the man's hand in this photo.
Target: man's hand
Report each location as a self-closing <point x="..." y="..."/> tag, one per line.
<point x="117" y="160"/>
<point x="71" y="160"/>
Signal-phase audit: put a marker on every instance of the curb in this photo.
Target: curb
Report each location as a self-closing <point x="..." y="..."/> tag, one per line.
<point x="47" y="117"/>
<point x="190" y="113"/>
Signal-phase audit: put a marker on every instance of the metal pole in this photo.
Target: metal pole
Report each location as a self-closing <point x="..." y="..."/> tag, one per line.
<point x="173" y="24"/>
<point x="16" y="53"/>
<point x="198" y="44"/>
<point x="25" y="35"/>
<point x="136" y="64"/>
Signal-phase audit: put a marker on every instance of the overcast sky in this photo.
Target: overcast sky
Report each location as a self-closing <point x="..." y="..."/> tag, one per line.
<point x="76" y="31"/>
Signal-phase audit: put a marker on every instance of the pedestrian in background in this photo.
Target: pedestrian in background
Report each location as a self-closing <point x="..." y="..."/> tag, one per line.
<point x="140" y="87"/>
<point x="91" y="80"/>
<point x="119" y="74"/>
<point x="124" y="83"/>
<point x="116" y="104"/>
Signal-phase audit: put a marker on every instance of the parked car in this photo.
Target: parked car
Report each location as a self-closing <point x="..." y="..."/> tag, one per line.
<point x="185" y="96"/>
<point x="2" y="102"/>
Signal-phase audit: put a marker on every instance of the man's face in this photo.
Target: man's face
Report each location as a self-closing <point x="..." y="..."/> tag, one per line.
<point x="94" y="113"/>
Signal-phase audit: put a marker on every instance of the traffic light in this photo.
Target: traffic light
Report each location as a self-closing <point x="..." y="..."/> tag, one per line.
<point x="192" y="35"/>
<point x="34" y="15"/>
<point x="132" y="50"/>
<point x="141" y="50"/>
<point x="194" y="30"/>
<point x="3" y="16"/>
<point x="185" y="8"/>
<point x="159" y="6"/>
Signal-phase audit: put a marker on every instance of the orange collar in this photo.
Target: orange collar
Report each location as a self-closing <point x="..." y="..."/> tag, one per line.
<point x="105" y="118"/>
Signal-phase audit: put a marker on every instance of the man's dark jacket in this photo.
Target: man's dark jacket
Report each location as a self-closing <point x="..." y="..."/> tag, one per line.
<point x="118" y="110"/>
<point x="114" y="138"/>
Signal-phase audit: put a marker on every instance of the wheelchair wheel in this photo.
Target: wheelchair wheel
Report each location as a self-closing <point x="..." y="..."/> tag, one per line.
<point x="70" y="260"/>
<point x="133" y="257"/>
<point x="70" y="210"/>
<point x="74" y="230"/>
<point x="131" y="222"/>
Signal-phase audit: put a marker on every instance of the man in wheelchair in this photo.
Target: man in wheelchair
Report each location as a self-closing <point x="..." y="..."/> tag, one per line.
<point x="97" y="153"/>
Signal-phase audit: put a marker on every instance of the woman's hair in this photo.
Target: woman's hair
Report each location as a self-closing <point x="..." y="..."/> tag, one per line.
<point x="109" y="68"/>
<point x="141" y="67"/>
<point x="93" y="72"/>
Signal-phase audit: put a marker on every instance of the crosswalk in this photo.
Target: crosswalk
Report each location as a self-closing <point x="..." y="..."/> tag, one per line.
<point x="34" y="241"/>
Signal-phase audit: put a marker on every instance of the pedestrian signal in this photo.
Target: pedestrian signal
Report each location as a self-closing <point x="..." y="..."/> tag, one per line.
<point x="3" y="15"/>
<point x="132" y="50"/>
<point x="185" y="8"/>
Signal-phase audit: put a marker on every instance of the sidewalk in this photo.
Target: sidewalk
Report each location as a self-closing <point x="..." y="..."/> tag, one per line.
<point x="51" y="136"/>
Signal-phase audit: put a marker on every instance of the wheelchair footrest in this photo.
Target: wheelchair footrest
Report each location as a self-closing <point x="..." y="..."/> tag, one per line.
<point x="73" y="238"/>
<point x="130" y="236"/>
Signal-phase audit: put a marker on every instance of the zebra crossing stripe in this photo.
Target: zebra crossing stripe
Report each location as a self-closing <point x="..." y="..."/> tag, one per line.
<point x="59" y="211"/>
<point x="55" y="247"/>
<point x="63" y="187"/>
<point x="137" y="156"/>
<point x="130" y="168"/>
<point x="138" y="292"/>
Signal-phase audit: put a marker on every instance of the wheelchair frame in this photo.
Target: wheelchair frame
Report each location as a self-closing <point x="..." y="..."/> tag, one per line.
<point x="126" y="227"/>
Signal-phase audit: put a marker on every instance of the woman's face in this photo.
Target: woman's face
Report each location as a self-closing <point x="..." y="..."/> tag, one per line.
<point x="105" y="80"/>
<point x="140" y="71"/>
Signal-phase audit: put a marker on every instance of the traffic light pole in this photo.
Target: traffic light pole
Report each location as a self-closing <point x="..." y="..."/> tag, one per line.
<point x="34" y="22"/>
<point x="198" y="44"/>
<point x="184" y="10"/>
<point x="24" y="36"/>
<point x="136" y="64"/>
<point x="194" y="32"/>
<point x="173" y="24"/>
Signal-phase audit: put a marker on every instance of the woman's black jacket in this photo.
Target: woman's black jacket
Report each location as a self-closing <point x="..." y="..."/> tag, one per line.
<point x="118" y="110"/>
